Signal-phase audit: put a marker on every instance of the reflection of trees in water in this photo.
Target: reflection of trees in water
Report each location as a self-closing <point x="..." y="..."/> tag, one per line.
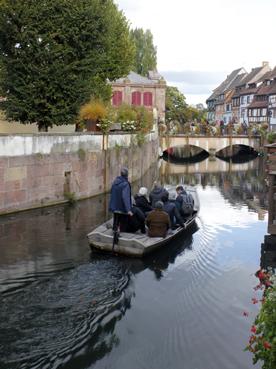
<point x="236" y="186"/>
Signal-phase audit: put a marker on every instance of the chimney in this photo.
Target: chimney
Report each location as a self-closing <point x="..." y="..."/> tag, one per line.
<point x="265" y="64"/>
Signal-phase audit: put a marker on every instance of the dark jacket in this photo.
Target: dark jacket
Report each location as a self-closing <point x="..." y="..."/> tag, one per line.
<point x="120" y="199"/>
<point x="171" y="210"/>
<point x="142" y="203"/>
<point x="136" y="222"/>
<point x="158" y="223"/>
<point x="156" y="194"/>
<point x="184" y="203"/>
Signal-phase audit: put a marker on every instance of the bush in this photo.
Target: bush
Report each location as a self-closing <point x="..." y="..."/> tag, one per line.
<point x="126" y="113"/>
<point x="262" y="342"/>
<point x="144" y="119"/>
<point x="94" y="110"/>
<point x="271" y="137"/>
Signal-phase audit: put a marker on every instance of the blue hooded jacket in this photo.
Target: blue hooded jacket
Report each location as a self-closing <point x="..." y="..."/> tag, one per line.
<point x="120" y="199"/>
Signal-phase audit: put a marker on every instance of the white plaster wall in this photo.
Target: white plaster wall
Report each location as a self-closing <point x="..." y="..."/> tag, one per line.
<point x="19" y="145"/>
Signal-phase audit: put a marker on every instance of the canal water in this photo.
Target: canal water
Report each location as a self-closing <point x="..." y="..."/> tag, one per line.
<point x="183" y="307"/>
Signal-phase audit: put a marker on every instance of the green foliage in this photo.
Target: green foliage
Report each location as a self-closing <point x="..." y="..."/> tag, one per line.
<point x="126" y="113"/>
<point x="140" y="139"/>
<point x="55" y="54"/>
<point x="146" y="52"/>
<point x="144" y="119"/>
<point x="178" y="110"/>
<point x="271" y="137"/>
<point x="176" y="106"/>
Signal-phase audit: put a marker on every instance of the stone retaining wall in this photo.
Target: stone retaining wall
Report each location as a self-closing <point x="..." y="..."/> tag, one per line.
<point x="42" y="170"/>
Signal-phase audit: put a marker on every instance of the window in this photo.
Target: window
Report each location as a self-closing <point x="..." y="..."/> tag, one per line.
<point x="264" y="112"/>
<point x="249" y="112"/>
<point x="136" y="98"/>
<point x="117" y="98"/>
<point x="147" y="98"/>
<point x="248" y="99"/>
<point x="242" y="100"/>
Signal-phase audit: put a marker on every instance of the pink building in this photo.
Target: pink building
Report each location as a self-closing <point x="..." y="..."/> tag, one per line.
<point x="141" y="91"/>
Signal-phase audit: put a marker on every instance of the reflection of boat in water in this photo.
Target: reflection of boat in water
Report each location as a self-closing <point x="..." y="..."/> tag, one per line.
<point x="138" y="244"/>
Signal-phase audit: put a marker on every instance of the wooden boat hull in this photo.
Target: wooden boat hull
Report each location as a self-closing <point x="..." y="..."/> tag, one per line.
<point x="132" y="244"/>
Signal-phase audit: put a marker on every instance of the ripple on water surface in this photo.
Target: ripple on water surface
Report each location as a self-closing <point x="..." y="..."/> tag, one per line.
<point x="82" y="304"/>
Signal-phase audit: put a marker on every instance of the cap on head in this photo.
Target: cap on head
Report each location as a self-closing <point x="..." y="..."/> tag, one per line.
<point x="179" y="188"/>
<point x="143" y="191"/>
<point x="124" y="172"/>
<point x="159" y="205"/>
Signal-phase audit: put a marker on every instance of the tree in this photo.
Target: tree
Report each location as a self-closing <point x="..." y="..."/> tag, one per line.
<point x="57" y="53"/>
<point x="176" y="106"/>
<point x="146" y="52"/>
<point x="178" y="110"/>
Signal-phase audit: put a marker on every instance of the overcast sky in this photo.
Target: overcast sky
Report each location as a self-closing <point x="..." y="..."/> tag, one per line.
<point x="199" y="42"/>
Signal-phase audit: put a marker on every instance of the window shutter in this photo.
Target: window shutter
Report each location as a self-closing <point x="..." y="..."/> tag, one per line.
<point x="117" y="98"/>
<point x="147" y="99"/>
<point x="136" y="98"/>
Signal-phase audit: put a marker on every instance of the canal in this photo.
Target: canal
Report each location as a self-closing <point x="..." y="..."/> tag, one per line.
<point x="183" y="307"/>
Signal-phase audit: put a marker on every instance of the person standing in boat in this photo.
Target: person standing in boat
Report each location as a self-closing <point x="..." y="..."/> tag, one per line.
<point x="120" y="201"/>
<point x="142" y="202"/>
<point x="158" y="221"/>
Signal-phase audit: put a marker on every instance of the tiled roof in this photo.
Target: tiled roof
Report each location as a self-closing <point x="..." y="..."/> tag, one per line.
<point x="224" y="86"/>
<point x="136" y="79"/>
<point x="272" y="89"/>
<point x="258" y="104"/>
<point x="255" y="75"/>
<point x="263" y="89"/>
<point x="248" y="91"/>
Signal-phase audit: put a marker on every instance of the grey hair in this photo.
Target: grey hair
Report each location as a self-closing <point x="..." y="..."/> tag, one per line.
<point x="124" y="172"/>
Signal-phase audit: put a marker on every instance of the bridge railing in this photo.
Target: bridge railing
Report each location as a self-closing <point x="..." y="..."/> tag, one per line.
<point x="211" y="130"/>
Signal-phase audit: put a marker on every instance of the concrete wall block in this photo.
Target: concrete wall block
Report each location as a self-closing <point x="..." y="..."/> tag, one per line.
<point x="15" y="173"/>
<point x="15" y="198"/>
<point x="40" y="179"/>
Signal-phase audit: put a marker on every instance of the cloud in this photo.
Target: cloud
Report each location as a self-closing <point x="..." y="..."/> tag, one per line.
<point x="195" y="77"/>
<point x="192" y="82"/>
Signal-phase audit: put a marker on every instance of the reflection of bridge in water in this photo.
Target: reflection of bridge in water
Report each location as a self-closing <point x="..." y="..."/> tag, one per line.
<point x="212" y="145"/>
<point x="211" y="165"/>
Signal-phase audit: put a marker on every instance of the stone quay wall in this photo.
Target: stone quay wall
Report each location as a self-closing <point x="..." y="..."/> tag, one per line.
<point x="47" y="169"/>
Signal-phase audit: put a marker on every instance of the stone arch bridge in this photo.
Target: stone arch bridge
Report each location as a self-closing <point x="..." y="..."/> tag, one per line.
<point x="210" y="144"/>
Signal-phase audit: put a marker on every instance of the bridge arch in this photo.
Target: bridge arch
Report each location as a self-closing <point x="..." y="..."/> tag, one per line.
<point x="186" y="153"/>
<point x="212" y="145"/>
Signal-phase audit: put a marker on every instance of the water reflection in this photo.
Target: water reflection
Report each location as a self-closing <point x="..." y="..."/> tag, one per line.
<point x="62" y="307"/>
<point x="68" y="320"/>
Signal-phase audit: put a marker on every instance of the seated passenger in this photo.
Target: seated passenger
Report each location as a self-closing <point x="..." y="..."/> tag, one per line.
<point x="158" y="221"/>
<point x="184" y="202"/>
<point x="142" y="202"/>
<point x="171" y="209"/>
<point x="156" y="194"/>
<point x="136" y="221"/>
